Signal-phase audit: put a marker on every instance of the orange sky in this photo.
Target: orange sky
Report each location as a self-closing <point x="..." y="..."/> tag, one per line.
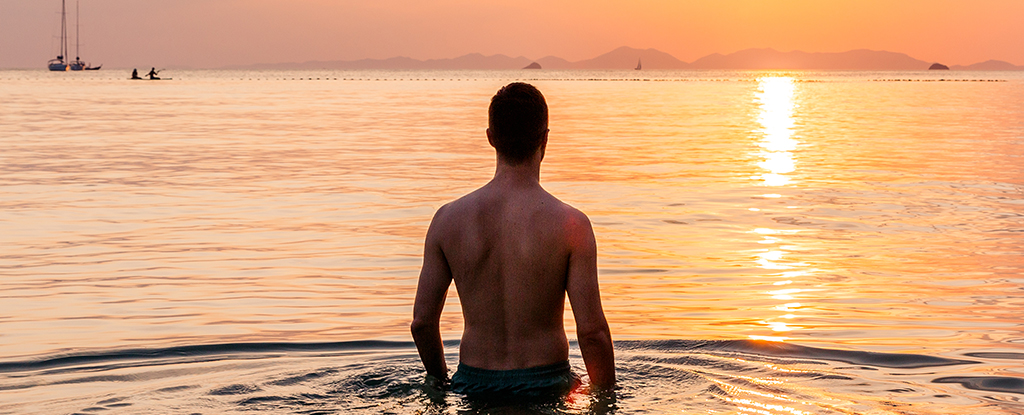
<point x="214" y="33"/>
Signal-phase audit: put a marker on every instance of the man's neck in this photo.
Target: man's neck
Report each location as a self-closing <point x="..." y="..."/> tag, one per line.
<point x="525" y="174"/>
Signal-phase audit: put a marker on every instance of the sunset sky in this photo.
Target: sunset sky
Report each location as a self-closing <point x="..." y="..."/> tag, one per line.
<point x="215" y="33"/>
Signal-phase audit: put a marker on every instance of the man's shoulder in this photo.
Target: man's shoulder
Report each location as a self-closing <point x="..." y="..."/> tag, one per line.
<point x="570" y="214"/>
<point x="452" y="212"/>
<point x="461" y="205"/>
<point x="577" y="224"/>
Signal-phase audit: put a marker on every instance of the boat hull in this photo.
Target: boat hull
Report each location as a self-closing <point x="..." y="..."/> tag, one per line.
<point x="58" y="66"/>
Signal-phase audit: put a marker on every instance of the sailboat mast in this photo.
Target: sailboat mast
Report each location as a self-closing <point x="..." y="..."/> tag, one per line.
<point x="78" y="14"/>
<point x="64" y="30"/>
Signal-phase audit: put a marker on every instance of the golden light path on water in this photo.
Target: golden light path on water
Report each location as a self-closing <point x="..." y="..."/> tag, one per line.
<point x="775" y="101"/>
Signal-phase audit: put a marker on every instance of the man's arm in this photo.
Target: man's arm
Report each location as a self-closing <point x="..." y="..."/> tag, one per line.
<point x="585" y="297"/>
<point x="435" y="278"/>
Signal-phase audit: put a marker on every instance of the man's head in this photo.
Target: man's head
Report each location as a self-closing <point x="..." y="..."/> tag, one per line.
<point x="518" y="123"/>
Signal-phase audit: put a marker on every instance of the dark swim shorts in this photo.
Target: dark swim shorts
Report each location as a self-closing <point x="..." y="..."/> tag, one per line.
<point x="535" y="382"/>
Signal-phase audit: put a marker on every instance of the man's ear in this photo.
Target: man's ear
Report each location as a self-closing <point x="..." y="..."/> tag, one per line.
<point x="544" y="144"/>
<point x="490" y="138"/>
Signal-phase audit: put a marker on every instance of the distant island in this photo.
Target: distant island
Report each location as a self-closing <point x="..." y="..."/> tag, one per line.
<point x="626" y="58"/>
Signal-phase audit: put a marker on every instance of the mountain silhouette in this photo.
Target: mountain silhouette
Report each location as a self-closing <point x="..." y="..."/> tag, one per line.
<point x="626" y="58"/>
<point x="554" y="62"/>
<point x="470" y="61"/>
<point x="478" y="61"/>
<point x="990" y="65"/>
<point x="860" y="59"/>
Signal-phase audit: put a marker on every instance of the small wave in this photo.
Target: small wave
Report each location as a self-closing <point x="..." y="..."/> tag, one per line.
<point x="387" y="376"/>
<point x="226" y="350"/>
<point x="997" y="355"/>
<point x="252" y="350"/>
<point x="778" y="349"/>
<point x="987" y="383"/>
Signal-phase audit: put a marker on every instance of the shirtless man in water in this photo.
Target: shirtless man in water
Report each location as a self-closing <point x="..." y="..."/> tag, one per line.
<point x="514" y="252"/>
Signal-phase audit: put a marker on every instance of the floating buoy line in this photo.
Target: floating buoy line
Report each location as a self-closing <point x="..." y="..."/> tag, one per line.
<point x="938" y="80"/>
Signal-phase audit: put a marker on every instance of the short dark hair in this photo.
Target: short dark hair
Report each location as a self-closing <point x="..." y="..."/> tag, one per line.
<point x="518" y="120"/>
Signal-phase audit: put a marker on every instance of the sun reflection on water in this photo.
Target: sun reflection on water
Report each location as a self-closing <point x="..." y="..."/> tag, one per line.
<point x="775" y="103"/>
<point x="775" y="99"/>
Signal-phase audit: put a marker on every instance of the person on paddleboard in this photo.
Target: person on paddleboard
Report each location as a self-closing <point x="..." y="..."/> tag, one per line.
<point x="135" y="74"/>
<point x="153" y="73"/>
<point x="514" y="252"/>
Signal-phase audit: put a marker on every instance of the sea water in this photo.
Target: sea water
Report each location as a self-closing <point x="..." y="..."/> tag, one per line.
<point x="769" y="242"/>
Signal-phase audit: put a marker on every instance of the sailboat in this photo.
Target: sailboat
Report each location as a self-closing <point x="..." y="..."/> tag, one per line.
<point x="59" y="64"/>
<point x="638" y="65"/>
<point x="78" y="65"/>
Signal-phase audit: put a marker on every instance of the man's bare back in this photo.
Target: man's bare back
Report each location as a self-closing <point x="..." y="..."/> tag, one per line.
<point x="514" y="252"/>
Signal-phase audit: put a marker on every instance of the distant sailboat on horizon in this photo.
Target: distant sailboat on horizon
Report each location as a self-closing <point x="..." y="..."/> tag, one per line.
<point x="78" y="65"/>
<point x="638" y="65"/>
<point x="59" y="64"/>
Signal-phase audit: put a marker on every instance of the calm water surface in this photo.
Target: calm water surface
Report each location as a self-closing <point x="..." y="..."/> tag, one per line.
<point x="770" y="242"/>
